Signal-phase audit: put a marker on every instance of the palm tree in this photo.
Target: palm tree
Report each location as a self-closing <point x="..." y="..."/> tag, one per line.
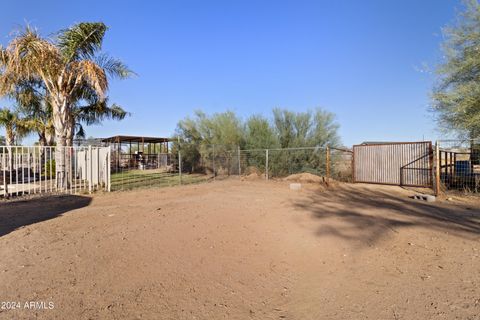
<point x="68" y="67"/>
<point x="15" y="127"/>
<point x="33" y="104"/>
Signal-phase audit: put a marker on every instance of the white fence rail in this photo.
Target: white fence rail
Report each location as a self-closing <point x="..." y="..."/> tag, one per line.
<point x="33" y="170"/>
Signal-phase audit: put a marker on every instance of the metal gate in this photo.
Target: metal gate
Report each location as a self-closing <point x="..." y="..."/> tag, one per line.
<point x="32" y="170"/>
<point x="397" y="163"/>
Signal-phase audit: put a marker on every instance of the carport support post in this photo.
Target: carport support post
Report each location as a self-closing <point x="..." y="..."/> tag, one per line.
<point x="266" y="164"/>
<point x="437" y="168"/>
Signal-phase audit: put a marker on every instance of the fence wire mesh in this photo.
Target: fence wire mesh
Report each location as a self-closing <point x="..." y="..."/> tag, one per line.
<point x="279" y="163"/>
<point x="132" y="171"/>
<point x="459" y="165"/>
<point x="341" y="164"/>
<point x="219" y="162"/>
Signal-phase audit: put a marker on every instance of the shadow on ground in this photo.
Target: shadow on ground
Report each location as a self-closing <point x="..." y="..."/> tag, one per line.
<point x="357" y="213"/>
<point x="14" y="215"/>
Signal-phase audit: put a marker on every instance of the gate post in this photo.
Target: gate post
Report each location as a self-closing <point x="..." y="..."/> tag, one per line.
<point x="437" y="168"/>
<point x="353" y="164"/>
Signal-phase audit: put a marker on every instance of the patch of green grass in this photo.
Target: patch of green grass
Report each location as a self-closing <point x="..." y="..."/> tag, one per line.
<point x="151" y="178"/>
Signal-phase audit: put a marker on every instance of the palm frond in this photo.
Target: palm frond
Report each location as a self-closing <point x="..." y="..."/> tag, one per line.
<point x="27" y="57"/>
<point x="88" y="72"/>
<point x="114" y="67"/>
<point x="80" y="131"/>
<point x="81" y="41"/>
<point x="97" y="112"/>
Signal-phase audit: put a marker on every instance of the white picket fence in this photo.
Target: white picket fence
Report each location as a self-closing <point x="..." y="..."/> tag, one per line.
<point x="32" y="170"/>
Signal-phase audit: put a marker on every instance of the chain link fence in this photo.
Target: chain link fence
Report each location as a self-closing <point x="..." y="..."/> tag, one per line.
<point x="167" y="169"/>
<point x="458" y="165"/>
<point x="341" y="164"/>
<point x="219" y="162"/>
<point x="279" y="163"/>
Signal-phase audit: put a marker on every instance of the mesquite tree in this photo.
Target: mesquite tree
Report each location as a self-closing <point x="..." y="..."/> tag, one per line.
<point x="456" y="97"/>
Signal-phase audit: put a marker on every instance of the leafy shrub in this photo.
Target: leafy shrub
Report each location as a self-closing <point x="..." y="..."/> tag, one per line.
<point x="49" y="170"/>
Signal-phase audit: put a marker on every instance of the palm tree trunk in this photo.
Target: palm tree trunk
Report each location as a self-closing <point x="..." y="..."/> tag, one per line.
<point x="42" y="139"/>
<point x="70" y="152"/>
<point x="49" y="138"/>
<point x="42" y="142"/>
<point x="70" y="131"/>
<point x="60" y="115"/>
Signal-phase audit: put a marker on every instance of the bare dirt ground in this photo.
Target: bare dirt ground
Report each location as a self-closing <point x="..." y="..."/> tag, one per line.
<point x="241" y="250"/>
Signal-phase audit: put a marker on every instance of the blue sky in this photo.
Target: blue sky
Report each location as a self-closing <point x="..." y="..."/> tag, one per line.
<point x="362" y="60"/>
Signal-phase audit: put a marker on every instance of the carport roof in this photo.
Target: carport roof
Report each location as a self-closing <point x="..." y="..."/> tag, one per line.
<point x="122" y="139"/>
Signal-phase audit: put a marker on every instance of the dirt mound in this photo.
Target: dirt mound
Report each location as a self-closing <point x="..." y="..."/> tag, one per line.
<point x="309" y="178"/>
<point x="253" y="170"/>
<point x="252" y="176"/>
<point x="252" y="173"/>
<point x="305" y="177"/>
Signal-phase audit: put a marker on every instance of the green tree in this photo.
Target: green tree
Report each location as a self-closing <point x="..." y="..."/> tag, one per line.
<point x="203" y="137"/>
<point x="188" y="140"/>
<point x="34" y="106"/>
<point x="207" y="136"/>
<point x="15" y="127"/>
<point x="316" y="129"/>
<point x="456" y="97"/>
<point x="305" y="129"/>
<point x="259" y="134"/>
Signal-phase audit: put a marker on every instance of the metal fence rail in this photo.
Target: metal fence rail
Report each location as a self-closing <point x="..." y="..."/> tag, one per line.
<point x="26" y="170"/>
<point x="458" y="165"/>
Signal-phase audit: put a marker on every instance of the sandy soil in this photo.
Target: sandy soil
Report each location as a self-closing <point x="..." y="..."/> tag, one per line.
<point x="241" y="250"/>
